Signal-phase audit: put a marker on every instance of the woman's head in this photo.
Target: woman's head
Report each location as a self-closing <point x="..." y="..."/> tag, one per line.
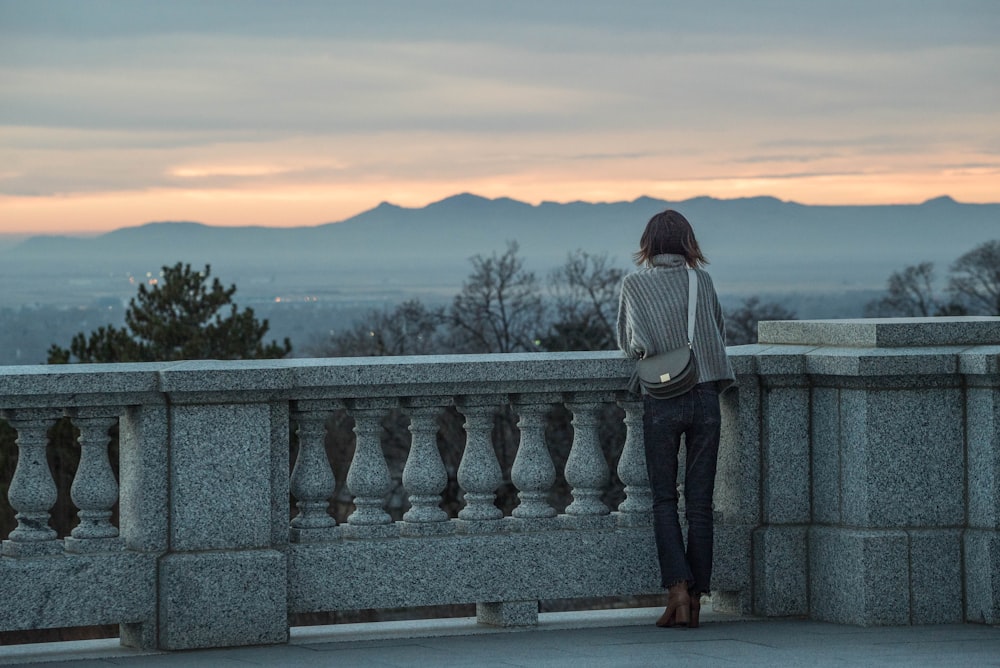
<point x="669" y="232"/>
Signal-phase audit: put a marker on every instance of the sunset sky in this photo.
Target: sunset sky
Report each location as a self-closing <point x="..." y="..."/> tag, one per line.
<point x="118" y="112"/>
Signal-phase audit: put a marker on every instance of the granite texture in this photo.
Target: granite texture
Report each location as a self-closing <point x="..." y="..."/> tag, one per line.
<point x="424" y="475"/>
<point x="732" y="559"/>
<point x="479" y="471"/>
<point x="982" y="422"/>
<point x="220" y="470"/>
<point x="312" y="481"/>
<point x="460" y="375"/>
<point x="733" y="602"/>
<point x="532" y="471"/>
<point x="859" y="576"/>
<point x="586" y="468"/>
<point x="279" y="478"/>
<point x="226" y="380"/>
<point x="982" y="575"/>
<point x="825" y="452"/>
<point x="144" y="472"/>
<point x="637" y="507"/>
<point x="935" y="576"/>
<point x="67" y="590"/>
<point x="786" y="497"/>
<point x="921" y="365"/>
<point x="902" y="458"/>
<point x="738" y="476"/>
<point x="743" y="359"/>
<point x="773" y="362"/>
<point x="368" y="476"/>
<point x="508" y="613"/>
<point x="883" y="332"/>
<point x="981" y="364"/>
<point x="62" y="385"/>
<point x="460" y="568"/>
<point x="222" y="599"/>
<point x="781" y="571"/>
<point x="32" y="491"/>
<point x="95" y="489"/>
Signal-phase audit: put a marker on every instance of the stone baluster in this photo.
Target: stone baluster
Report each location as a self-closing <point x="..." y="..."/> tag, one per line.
<point x="479" y="471"/>
<point x="95" y="489"/>
<point x="586" y="469"/>
<point x="424" y="475"/>
<point x="368" y="477"/>
<point x="312" y="481"/>
<point x="533" y="472"/>
<point x="32" y="491"/>
<point x="637" y="508"/>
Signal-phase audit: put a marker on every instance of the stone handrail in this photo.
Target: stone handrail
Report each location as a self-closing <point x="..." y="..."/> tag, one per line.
<point x="859" y="482"/>
<point x="205" y="554"/>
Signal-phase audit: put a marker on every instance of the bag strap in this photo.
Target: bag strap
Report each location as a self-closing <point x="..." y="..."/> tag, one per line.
<point x="692" y="304"/>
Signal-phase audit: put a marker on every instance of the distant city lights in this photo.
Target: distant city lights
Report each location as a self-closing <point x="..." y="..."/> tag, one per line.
<point x="286" y="300"/>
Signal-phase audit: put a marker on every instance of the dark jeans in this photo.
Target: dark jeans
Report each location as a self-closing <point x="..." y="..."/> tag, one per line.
<point x="696" y="415"/>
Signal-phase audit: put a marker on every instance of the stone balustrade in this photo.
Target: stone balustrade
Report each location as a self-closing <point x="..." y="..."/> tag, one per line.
<point x="859" y="482"/>
<point x="208" y="551"/>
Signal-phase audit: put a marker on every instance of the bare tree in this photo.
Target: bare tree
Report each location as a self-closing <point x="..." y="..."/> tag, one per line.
<point x="410" y="328"/>
<point x="586" y="300"/>
<point x="741" y="322"/>
<point x="975" y="279"/>
<point x="499" y="307"/>
<point x="910" y="294"/>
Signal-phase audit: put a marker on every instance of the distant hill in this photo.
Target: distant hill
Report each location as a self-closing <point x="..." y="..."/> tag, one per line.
<point x="755" y="244"/>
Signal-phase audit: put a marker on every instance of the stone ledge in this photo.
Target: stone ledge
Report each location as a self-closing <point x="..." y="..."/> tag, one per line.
<point x="70" y="589"/>
<point x="883" y="332"/>
<point x="471" y="569"/>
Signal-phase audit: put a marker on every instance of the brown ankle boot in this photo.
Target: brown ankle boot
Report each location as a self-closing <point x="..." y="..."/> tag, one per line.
<point x="695" y="611"/>
<point x="678" y="611"/>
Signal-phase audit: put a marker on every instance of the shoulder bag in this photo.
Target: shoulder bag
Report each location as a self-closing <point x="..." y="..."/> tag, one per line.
<point x="674" y="372"/>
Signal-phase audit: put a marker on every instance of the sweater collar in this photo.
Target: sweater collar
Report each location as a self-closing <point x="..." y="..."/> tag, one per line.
<point x="668" y="260"/>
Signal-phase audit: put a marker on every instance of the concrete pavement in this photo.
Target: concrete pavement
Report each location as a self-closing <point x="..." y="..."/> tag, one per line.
<point x="598" y="639"/>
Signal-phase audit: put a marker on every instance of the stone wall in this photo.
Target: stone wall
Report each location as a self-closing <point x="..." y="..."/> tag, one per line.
<point x="873" y="447"/>
<point x="859" y="482"/>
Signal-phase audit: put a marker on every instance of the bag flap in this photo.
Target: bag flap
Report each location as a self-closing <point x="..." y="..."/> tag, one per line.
<point x="663" y="367"/>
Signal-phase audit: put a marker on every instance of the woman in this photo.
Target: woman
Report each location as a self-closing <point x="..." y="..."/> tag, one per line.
<point x="652" y="318"/>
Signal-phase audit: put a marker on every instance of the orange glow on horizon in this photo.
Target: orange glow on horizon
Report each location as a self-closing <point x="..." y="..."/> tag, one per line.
<point x="284" y="205"/>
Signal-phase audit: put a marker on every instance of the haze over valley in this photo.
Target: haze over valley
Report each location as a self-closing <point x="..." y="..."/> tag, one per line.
<point x="819" y="261"/>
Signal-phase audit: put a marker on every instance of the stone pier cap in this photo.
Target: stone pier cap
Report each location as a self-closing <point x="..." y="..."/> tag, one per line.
<point x="883" y="332"/>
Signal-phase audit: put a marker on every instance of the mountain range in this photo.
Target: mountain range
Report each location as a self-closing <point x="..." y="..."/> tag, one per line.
<point x="758" y="244"/>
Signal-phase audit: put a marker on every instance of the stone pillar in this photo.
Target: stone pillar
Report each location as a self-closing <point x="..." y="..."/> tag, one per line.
<point x="779" y="547"/>
<point x="143" y="510"/>
<point x="737" y="486"/>
<point x="981" y="542"/>
<point x="224" y="580"/>
<point x="889" y="437"/>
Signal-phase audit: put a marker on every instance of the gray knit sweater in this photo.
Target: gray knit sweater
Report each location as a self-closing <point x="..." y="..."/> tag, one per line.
<point x="652" y="317"/>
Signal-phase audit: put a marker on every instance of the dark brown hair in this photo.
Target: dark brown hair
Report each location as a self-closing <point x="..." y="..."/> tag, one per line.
<point x="669" y="232"/>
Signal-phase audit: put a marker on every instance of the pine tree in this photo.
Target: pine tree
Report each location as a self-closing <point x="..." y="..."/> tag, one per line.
<point x="180" y="317"/>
